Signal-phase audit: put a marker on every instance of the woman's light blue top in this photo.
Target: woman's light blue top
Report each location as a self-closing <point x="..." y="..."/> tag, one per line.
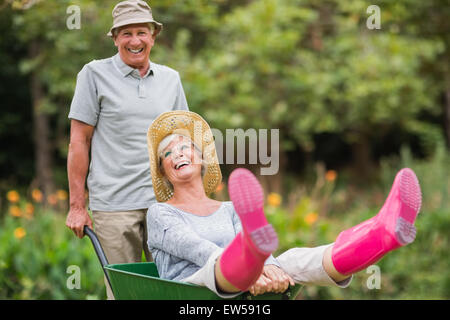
<point x="182" y="242"/>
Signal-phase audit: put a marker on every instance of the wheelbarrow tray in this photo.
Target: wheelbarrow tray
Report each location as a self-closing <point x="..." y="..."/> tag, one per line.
<point x="141" y="281"/>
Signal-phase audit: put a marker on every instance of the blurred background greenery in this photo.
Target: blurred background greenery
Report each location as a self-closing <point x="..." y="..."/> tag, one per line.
<point x="353" y="106"/>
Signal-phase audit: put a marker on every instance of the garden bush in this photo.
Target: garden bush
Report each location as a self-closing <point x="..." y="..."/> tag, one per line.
<point x="35" y="255"/>
<point x="36" y="248"/>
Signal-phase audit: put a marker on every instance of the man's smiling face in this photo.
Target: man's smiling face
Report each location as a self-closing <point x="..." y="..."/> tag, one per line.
<point x="134" y="43"/>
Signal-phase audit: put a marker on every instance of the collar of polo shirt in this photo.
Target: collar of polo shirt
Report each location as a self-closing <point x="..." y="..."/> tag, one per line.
<point x="126" y="69"/>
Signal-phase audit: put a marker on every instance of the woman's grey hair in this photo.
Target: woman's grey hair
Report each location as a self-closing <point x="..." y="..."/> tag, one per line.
<point x="116" y="31"/>
<point x="163" y="145"/>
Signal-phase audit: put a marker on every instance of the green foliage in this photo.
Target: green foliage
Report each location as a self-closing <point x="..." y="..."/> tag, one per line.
<point x="35" y="254"/>
<point x="433" y="174"/>
<point x="305" y="67"/>
<point x="296" y="69"/>
<point x="34" y="265"/>
<point x="417" y="271"/>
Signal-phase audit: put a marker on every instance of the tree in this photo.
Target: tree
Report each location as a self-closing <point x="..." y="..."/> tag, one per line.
<point x="310" y="67"/>
<point x="55" y="55"/>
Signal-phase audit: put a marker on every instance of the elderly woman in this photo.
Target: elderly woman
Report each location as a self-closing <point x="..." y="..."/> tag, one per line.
<point x="227" y="246"/>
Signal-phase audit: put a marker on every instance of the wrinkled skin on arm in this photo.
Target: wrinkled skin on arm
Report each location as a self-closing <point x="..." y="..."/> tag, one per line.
<point x="77" y="168"/>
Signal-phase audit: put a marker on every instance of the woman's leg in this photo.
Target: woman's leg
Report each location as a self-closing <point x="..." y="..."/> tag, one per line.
<point x="221" y="282"/>
<point x="329" y="268"/>
<point x="307" y="266"/>
<point x="362" y="245"/>
<point x="209" y="276"/>
<point x="242" y="261"/>
<point x="393" y="227"/>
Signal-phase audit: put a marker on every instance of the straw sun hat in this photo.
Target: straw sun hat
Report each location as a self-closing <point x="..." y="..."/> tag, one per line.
<point x="189" y="124"/>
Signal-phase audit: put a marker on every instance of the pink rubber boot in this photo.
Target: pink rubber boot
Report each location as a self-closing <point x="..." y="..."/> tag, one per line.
<point x="242" y="261"/>
<point x="362" y="245"/>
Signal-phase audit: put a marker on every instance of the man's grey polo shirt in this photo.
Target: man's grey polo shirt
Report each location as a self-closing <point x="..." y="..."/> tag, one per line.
<point x="112" y="97"/>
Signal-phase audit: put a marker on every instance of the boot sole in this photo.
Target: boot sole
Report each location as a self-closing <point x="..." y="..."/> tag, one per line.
<point x="247" y="196"/>
<point x="411" y="199"/>
<point x="265" y="239"/>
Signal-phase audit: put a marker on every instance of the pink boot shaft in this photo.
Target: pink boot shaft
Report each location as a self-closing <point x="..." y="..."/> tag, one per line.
<point x="362" y="245"/>
<point x="243" y="259"/>
<point x="241" y="265"/>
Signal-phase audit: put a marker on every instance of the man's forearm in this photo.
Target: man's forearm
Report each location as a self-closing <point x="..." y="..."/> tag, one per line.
<point x="77" y="168"/>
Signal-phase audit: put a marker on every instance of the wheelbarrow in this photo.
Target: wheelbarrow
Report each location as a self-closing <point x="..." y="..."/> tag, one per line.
<point x="141" y="281"/>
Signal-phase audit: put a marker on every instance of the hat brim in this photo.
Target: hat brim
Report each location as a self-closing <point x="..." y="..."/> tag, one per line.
<point x="158" y="25"/>
<point x="198" y="130"/>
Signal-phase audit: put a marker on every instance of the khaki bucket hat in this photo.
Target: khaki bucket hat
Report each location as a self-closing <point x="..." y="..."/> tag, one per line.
<point x="189" y="124"/>
<point x="131" y="12"/>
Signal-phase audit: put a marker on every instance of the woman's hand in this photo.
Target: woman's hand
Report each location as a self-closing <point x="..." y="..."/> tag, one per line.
<point x="272" y="279"/>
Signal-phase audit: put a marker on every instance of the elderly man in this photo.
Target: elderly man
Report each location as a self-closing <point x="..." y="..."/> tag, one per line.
<point x="115" y="101"/>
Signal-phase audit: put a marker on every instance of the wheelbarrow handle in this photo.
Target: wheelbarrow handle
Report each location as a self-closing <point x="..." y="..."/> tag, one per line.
<point x="98" y="250"/>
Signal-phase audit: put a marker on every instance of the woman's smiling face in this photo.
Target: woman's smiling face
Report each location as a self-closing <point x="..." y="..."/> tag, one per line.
<point x="180" y="160"/>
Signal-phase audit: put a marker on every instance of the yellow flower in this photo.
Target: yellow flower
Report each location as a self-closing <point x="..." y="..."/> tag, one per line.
<point x="220" y="187"/>
<point x="19" y="233"/>
<point x="311" y="218"/>
<point x="15" y="211"/>
<point x="29" y="210"/>
<point x="36" y="194"/>
<point x="61" y="194"/>
<point x="52" y="199"/>
<point x="13" y="196"/>
<point x="331" y="175"/>
<point x="274" y="199"/>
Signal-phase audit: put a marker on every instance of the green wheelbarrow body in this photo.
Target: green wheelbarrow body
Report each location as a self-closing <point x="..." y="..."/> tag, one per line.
<point x="141" y="281"/>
